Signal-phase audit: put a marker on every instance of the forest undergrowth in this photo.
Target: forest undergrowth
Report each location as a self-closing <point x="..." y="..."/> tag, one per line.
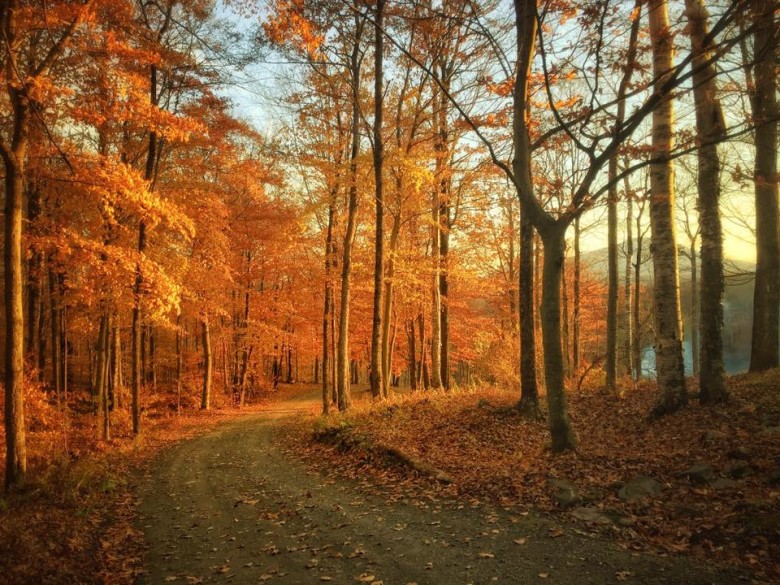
<point x="703" y="481"/>
<point x="74" y="522"/>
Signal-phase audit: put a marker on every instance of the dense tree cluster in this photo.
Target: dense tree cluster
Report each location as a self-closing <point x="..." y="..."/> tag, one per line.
<point x="416" y="217"/>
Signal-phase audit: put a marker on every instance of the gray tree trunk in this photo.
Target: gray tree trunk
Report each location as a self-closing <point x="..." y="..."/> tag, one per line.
<point x="666" y="289"/>
<point x="766" y="297"/>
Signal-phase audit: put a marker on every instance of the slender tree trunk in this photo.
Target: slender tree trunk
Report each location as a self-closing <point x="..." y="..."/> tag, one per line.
<point x="377" y="377"/>
<point x="116" y="363"/>
<point x="610" y="364"/>
<point x="344" y="398"/>
<point x="666" y="290"/>
<point x="208" y="359"/>
<point x="412" y="355"/>
<point x="766" y="297"/>
<point x="710" y="124"/>
<point x="526" y="28"/>
<point x="612" y="204"/>
<point x="435" y="293"/>
<point x="565" y="318"/>
<point x="423" y="375"/>
<point x="388" y="302"/>
<point x="637" y="342"/>
<point x="333" y="361"/>
<point x="56" y="331"/>
<point x="179" y="364"/>
<point x="629" y="321"/>
<point x="444" y="287"/>
<point x="34" y="280"/>
<point x="16" y="451"/>
<point x="135" y="359"/>
<point x="577" y="301"/>
<point x="529" y="390"/>
<point x="326" y="316"/>
<point x="101" y="376"/>
<point x="694" y="309"/>
<point x="554" y="239"/>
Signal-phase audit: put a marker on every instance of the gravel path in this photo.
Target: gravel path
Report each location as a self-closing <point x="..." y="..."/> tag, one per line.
<point x="233" y="507"/>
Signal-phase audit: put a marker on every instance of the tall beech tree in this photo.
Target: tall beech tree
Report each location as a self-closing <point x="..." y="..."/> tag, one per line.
<point x="765" y="347"/>
<point x="378" y="377"/>
<point x="711" y="127"/>
<point x="666" y="284"/>
<point x="24" y="73"/>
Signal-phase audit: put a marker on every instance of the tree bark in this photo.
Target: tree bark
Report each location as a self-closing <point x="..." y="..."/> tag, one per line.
<point x="766" y="297"/>
<point x="554" y="239"/>
<point x="612" y="203"/>
<point x="637" y="341"/>
<point x="327" y="317"/>
<point x="344" y="398"/>
<point x="435" y="372"/>
<point x="388" y="303"/>
<point x="629" y="321"/>
<point x="205" y="398"/>
<point x="377" y="379"/>
<point x="666" y="290"/>
<point x="412" y="356"/>
<point x="101" y="379"/>
<point x="16" y="451"/>
<point x="577" y="301"/>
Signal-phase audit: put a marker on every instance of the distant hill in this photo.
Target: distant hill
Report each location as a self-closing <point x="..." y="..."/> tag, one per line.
<point x="596" y="261"/>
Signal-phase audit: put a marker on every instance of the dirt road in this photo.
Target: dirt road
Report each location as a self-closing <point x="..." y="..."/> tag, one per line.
<point x="231" y="507"/>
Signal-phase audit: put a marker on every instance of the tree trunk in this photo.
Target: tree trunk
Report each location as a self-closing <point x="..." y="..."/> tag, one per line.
<point x="179" y="364"/>
<point x="709" y="123"/>
<point x="666" y="290"/>
<point x="152" y="374"/>
<point x="444" y="288"/>
<point x="388" y="302"/>
<point x="412" y="356"/>
<point x="629" y="321"/>
<point x="377" y="378"/>
<point x="766" y="297"/>
<point x="205" y="397"/>
<point x="343" y="389"/>
<point x="694" y="308"/>
<point x="565" y="318"/>
<point x="56" y="332"/>
<point x="577" y="300"/>
<point x="423" y="375"/>
<point x="16" y="451"/>
<point x="610" y="364"/>
<point x="554" y="239"/>
<point x="135" y="359"/>
<point x="326" y="316"/>
<point x="637" y="341"/>
<point x="435" y="293"/>
<point x="101" y="377"/>
<point x="116" y="364"/>
<point x="529" y="390"/>
<point x="34" y="284"/>
<point x="612" y="203"/>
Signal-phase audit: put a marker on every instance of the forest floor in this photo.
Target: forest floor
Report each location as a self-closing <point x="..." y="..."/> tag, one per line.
<point x="75" y="519"/>
<point x="276" y="493"/>
<point x="704" y="482"/>
<point x="240" y="505"/>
